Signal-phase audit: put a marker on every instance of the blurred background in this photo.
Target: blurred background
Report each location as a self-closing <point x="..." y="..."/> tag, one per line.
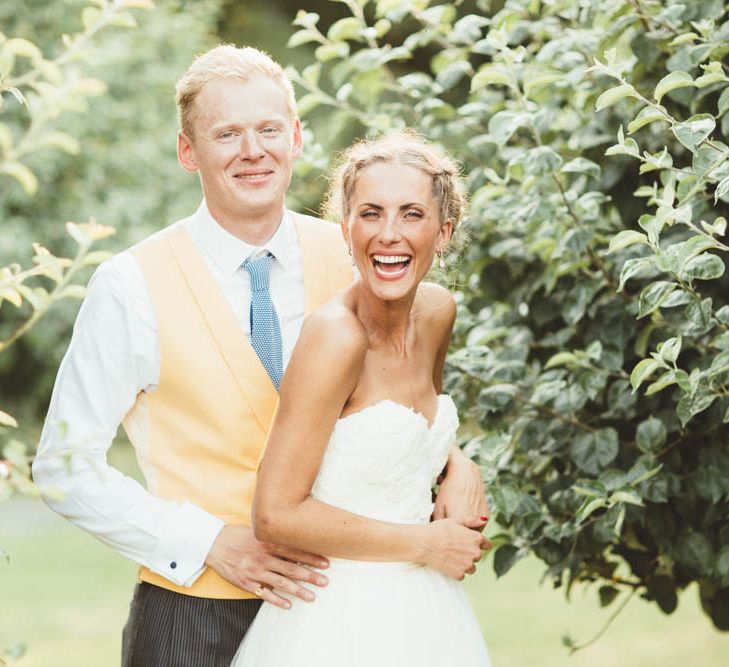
<point x="64" y="595"/>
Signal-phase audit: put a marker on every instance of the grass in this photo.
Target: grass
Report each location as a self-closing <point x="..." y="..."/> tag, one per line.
<point x="66" y="596"/>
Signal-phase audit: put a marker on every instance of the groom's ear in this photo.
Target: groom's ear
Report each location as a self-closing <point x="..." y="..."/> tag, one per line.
<point x="185" y="152"/>
<point x="297" y="143"/>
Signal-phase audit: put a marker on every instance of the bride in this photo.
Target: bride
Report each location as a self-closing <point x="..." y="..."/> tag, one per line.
<point x="361" y="433"/>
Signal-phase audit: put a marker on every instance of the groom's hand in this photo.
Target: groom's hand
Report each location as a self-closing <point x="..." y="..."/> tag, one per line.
<point x="461" y="494"/>
<point x="242" y="560"/>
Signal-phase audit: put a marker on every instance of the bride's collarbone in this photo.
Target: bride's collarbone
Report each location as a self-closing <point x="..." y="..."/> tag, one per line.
<point x="410" y="387"/>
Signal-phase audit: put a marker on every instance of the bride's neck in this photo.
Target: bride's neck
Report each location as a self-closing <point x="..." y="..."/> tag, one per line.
<point x="386" y="322"/>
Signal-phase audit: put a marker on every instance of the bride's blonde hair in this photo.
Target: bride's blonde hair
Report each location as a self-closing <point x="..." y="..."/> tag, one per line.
<point x="399" y="147"/>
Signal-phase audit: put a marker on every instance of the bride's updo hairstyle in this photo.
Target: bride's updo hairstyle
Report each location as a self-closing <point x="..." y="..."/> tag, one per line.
<point x="397" y="147"/>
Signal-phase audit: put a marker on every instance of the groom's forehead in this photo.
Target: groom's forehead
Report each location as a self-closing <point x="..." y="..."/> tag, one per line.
<point x="255" y="97"/>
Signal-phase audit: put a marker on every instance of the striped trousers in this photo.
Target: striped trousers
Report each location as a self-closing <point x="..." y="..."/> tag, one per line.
<point x="168" y="629"/>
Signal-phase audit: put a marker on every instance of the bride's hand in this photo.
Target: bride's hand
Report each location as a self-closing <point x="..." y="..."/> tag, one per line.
<point x="452" y="548"/>
<point x="249" y="564"/>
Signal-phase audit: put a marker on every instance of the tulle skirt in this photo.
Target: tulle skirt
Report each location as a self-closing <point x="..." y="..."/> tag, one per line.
<point x="370" y="615"/>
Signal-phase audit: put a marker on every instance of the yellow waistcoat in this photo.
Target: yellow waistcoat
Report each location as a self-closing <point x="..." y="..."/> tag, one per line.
<point x="206" y="422"/>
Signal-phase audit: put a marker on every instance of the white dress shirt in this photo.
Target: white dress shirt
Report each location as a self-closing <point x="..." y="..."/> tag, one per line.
<point x="114" y="354"/>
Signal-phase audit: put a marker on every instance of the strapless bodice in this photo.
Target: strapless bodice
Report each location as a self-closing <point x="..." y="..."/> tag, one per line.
<point x="382" y="461"/>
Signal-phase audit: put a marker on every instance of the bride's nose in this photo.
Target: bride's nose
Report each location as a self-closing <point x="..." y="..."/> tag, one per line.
<point x="389" y="231"/>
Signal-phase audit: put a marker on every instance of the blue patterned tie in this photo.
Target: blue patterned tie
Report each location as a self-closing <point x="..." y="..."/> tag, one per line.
<point x="265" y="327"/>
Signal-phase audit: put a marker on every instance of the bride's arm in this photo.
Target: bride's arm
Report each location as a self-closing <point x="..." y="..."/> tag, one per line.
<point x="323" y="371"/>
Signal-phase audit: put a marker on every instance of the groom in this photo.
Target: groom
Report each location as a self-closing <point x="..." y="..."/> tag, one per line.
<point x="184" y="339"/>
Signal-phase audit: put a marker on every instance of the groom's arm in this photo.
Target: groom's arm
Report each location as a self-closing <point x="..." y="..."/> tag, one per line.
<point x="114" y="355"/>
<point x="461" y="493"/>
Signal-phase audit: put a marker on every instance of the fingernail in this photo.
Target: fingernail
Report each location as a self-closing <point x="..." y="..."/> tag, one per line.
<point x="322" y="581"/>
<point x="323" y="563"/>
<point x="287" y="605"/>
<point x="484" y="518"/>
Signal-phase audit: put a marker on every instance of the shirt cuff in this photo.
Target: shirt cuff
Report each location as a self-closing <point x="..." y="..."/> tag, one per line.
<point x="184" y="545"/>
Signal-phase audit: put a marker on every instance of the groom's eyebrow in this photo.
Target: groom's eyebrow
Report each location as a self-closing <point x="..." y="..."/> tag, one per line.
<point x="273" y="120"/>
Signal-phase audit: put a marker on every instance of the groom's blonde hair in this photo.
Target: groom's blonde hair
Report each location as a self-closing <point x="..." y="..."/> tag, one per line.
<point x="227" y="61"/>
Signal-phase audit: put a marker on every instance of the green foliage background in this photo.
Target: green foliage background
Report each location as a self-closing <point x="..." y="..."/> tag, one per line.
<point x="591" y="357"/>
<point x="121" y="170"/>
<point x="591" y="354"/>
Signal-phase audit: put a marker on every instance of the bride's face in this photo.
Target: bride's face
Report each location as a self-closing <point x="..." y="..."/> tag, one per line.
<point x="394" y="228"/>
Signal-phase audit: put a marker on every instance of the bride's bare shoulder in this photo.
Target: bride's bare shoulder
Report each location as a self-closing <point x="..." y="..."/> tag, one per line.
<point x="336" y="327"/>
<point x="436" y="304"/>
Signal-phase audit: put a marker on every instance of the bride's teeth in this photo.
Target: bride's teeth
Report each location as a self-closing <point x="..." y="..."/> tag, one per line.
<point x="390" y="259"/>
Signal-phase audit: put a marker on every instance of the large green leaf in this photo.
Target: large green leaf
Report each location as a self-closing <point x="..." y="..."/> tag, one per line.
<point x="489" y="75"/>
<point x="704" y="267"/>
<point x="626" y="238"/>
<point x="609" y="97"/>
<point x="671" y="82"/>
<point x="689" y="406"/>
<point x="346" y="28"/>
<point x="505" y="557"/>
<point x="651" y="435"/>
<point x="694" y="130"/>
<point x="593" y="451"/>
<point x="643" y="370"/>
<point x="646" y="116"/>
<point x="503" y="124"/>
<point x="653" y="296"/>
<point x="694" y="550"/>
<point x="723" y="103"/>
<point x="635" y="267"/>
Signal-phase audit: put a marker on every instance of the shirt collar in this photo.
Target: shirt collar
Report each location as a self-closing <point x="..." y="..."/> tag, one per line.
<point x="229" y="252"/>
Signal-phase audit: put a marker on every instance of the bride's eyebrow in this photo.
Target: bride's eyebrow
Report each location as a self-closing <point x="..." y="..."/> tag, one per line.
<point x="403" y="207"/>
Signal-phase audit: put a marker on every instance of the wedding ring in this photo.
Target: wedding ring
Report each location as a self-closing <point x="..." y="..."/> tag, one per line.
<point x="258" y="592"/>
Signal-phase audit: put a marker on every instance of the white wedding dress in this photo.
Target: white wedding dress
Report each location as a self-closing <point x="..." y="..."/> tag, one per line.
<point x="380" y="463"/>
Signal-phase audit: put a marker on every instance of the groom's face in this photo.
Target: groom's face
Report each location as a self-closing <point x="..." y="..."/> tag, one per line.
<point x="244" y="143"/>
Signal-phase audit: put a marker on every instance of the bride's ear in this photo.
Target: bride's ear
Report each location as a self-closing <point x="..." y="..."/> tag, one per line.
<point x="444" y="235"/>
<point x="345" y="234"/>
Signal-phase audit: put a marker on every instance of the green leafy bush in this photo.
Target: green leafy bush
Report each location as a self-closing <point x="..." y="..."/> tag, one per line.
<point x="46" y="88"/>
<point x="591" y="356"/>
<point x="103" y="147"/>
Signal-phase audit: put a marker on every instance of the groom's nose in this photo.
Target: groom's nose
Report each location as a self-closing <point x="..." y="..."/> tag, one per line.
<point x="250" y="147"/>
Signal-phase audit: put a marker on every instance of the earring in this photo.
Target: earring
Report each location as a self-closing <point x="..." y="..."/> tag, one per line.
<point x="351" y="256"/>
<point x="441" y="261"/>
